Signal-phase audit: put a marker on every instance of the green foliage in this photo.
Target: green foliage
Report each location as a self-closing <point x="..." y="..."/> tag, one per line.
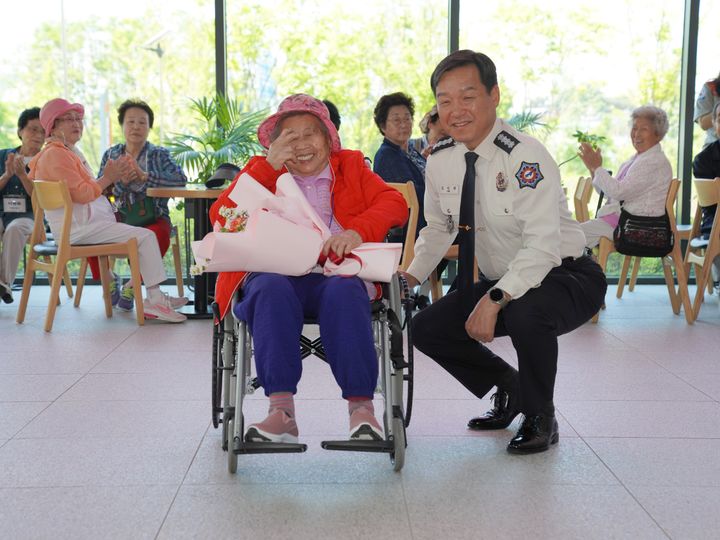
<point x="228" y="135"/>
<point x="527" y="121"/>
<point x="583" y="137"/>
<point x="589" y="138"/>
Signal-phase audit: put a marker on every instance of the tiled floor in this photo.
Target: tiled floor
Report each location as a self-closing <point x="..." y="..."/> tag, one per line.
<point x="105" y="433"/>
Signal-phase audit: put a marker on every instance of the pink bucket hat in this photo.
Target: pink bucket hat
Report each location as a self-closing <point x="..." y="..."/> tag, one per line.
<point x="54" y="108"/>
<point x="295" y="104"/>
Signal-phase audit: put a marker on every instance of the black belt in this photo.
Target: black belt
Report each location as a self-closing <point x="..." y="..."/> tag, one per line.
<point x="568" y="260"/>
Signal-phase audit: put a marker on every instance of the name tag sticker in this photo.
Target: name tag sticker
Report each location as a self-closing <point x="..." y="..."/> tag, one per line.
<point x="13" y="204"/>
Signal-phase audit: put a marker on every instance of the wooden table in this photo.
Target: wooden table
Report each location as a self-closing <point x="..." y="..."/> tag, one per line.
<point x="202" y="198"/>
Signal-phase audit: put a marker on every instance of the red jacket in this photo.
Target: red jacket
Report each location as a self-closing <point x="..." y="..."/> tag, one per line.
<point x="362" y="202"/>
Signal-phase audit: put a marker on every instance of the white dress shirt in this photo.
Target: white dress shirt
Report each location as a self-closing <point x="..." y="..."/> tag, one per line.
<point x="521" y="231"/>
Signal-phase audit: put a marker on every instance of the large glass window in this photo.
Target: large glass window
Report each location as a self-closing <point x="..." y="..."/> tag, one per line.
<point x="583" y="65"/>
<point x="348" y="52"/>
<point x="102" y="53"/>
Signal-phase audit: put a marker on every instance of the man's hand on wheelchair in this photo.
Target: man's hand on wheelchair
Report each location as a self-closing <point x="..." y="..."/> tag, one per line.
<point x="411" y="280"/>
<point x="343" y="243"/>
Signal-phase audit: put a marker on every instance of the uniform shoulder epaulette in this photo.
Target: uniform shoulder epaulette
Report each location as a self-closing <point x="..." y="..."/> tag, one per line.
<point x="442" y="144"/>
<point x="506" y="142"/>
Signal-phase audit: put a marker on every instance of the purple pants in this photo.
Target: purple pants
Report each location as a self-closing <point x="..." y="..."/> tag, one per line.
<point x="274" y="307"/>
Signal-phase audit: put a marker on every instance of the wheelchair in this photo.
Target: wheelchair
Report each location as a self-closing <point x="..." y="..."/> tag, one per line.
<point x="233" y="379"/>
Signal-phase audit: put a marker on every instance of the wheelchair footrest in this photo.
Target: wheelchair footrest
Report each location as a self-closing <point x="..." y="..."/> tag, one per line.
<point x="359" y="446"/>
<point x="268" y="448"/>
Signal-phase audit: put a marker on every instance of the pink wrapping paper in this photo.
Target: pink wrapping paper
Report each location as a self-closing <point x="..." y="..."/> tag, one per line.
<point x="372" y="261"/>
<point x="284" y="235"/>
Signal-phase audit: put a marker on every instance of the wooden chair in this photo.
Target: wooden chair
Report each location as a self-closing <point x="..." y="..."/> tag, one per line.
<point x="708" y="194"/>
<point x="408" y="192"/>
<point x="52" y="196"/>
<point x="678" y="297"/>
<point x="693" y="232"/>
<point x="50" y="249"/>
<point x="174" y="246"/>
<point x="581" y="199"/>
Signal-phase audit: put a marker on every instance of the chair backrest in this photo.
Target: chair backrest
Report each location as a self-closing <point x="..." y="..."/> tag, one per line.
<point x="581" y="199"/>
<point x="407" y="190"/>
<point x="51" y="195"/>
<point x="670" y="200"/>
<point x="708" y="191"/>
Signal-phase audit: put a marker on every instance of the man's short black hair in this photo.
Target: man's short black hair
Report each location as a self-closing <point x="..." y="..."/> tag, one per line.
<point x="137" y="104"/>
<point x="32" y="113"/>
<point x="465" y="57"/>
<point x="334" y="113"/>
<point x="382" y="108"/>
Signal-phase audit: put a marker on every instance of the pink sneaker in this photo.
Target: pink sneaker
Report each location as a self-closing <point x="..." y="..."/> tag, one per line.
<point x="364" y="425"/>
<point x="162" y="311"/>
<point x="175" y="301"/>
<point x="277" y="427"/>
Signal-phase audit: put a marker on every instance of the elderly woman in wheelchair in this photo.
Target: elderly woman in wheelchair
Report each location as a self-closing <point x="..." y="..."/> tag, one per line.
<point x="357" y="207"/>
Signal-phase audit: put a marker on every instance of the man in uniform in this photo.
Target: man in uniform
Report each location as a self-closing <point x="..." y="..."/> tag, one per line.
<point x="498" y="191"/>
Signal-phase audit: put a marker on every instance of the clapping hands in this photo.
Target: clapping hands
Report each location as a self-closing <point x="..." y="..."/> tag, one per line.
<point x="124" y="169"/>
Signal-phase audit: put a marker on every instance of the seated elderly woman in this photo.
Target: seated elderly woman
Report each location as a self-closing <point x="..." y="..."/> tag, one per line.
<point x="357" y="207"/>
<point x="642" y="181"/>
<point x="150" y="166"/>
<point x="16" y="217"/>
<point x="93" y="217"/>
<point x="396" y="160"/>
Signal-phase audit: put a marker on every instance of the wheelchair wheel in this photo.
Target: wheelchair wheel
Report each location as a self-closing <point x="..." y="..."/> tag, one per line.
<point x="397" y="457"/>
<point x="217" y="365"/>
<point x="400" y="318"/>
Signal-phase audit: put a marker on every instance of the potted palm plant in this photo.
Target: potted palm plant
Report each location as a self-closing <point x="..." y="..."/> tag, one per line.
<point x="229" y="135"/>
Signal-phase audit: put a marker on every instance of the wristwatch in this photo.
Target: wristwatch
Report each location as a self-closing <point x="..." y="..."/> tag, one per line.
<point x="497" y="296"/>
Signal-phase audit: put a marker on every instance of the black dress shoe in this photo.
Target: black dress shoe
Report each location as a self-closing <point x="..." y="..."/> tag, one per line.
<point x="536" y="434"/>
<point x="504" y="411"/>
<point x="6" y="293"/>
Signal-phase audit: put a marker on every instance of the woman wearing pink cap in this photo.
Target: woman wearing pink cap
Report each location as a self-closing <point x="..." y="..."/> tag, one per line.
<point x="93" y="218"/>
<point x="358" y="207"/>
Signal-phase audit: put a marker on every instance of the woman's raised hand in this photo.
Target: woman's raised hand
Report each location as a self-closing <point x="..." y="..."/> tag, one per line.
<point x="281" y="149"/>
<point x="590" y="157"/>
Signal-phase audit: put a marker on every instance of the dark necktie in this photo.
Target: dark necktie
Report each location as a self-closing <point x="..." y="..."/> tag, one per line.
<point x="466" y="236"/>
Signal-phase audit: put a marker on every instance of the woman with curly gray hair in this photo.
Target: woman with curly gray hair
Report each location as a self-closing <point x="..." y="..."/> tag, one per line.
<point x="642" y="181"/>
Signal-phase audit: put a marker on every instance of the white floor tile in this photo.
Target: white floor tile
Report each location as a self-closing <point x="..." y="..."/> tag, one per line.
<point x="84" y="512"/>
<point x="661" y="462"/>
<point x="687" y="419"/>
<point x="683" y="512"/>
<point x="471" y="510"/>
<point x="119" y="419"/>
<point x="15" y="415"/>
<point x="319" y="511"/>
<point x="95" y="462"/>
<point x="47" y="387"/>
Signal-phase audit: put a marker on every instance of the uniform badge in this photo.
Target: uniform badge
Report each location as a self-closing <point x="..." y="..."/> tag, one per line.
<point x="506" y="142"/>
<point x="529" y="175"/>
<point x="442" y="144"/>
<point x="500" y="182"/>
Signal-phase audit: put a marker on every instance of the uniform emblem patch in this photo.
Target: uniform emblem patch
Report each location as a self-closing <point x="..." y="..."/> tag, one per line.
<point x="500" y="182"/>
<point x="505" y="141"/>
<point x="529" y="175"/>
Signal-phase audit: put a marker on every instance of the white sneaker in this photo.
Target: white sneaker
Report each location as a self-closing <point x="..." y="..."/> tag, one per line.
<point x="162" y="311"/>
<point x="175" y="302"/>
